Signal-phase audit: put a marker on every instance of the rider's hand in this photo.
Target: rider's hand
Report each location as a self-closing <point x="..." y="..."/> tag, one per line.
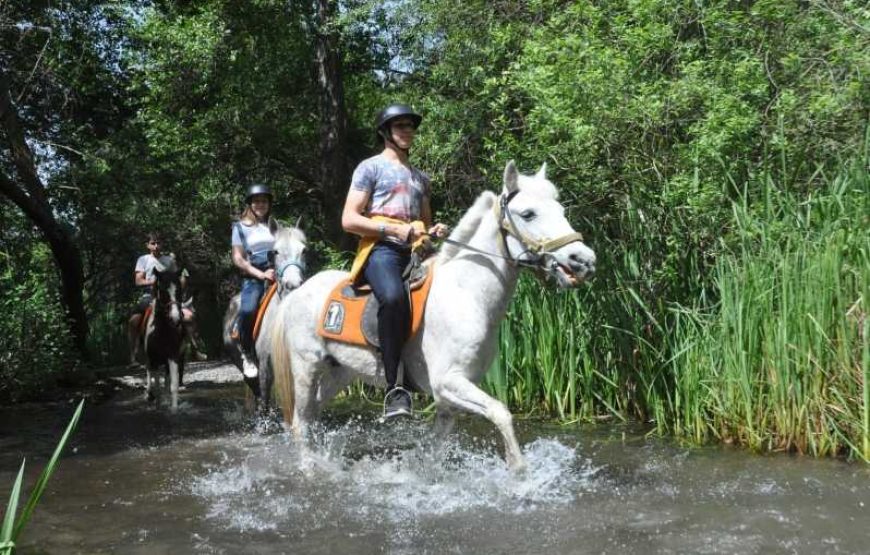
<point x="269" y="275"/>
<point x="439" y="230"/>
<point x="407" y="233"/>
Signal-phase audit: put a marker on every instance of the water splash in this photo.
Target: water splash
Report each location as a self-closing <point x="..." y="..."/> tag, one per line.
<point x="382" y="475"/>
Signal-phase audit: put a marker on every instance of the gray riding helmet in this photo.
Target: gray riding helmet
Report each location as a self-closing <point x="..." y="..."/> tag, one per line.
<point x="258" y="189"/>
<point x="392" y="112"/>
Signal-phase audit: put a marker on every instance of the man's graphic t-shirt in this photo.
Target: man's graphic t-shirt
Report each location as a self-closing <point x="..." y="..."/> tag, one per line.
<point x="395" y="191"/>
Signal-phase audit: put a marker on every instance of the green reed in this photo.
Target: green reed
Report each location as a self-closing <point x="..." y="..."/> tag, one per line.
<point x="11" y="529"/>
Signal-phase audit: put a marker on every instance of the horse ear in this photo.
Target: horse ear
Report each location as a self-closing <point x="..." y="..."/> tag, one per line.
<point x="542" y="173"/>
<point x="298" y="223"/>
<point x="510" y="177"/>
<point x="273" y="225"/>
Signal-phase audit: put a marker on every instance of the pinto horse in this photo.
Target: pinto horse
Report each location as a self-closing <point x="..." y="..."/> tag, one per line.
<point x="165" y="333"/>
<point x="475" y="277"/>
<point x="289" y="273"/>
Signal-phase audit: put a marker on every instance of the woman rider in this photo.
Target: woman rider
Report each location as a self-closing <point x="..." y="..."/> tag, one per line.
<point x="386" y="194"/>
<point x="253" y="241"/>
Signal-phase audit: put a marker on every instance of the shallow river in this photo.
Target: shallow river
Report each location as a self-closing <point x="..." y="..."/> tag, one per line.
<point x="137" y="480"/>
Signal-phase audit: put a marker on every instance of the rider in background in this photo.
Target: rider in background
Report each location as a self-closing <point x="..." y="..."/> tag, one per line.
<point x="387" y="186"/>
<point x="253" y="242"/>
<point x="143" y="275"/>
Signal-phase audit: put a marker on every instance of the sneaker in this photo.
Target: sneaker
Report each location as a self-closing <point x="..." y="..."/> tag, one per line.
<point x="249" y="369"/>
<point x="397" y="402"/>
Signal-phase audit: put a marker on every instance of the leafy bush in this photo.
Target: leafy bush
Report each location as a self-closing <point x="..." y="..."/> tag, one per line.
<point x="35" y="342"/>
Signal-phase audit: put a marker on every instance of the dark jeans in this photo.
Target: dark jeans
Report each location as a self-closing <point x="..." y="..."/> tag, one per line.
<point x="383" y="272"/>
<point x="143" y="303"/>
<point x="252" y="292"/>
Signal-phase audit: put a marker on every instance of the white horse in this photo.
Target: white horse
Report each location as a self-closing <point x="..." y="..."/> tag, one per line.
<point x="475" y="277"/>
<point x="290" y="246"/>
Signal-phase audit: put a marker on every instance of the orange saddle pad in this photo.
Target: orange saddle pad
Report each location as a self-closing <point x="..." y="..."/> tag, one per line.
<point x="261" y="311"/>
<point x="144" y="322"/>
<point x="350" y="314"/>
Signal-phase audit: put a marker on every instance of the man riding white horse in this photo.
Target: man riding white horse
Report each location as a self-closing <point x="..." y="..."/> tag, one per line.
<point x="387" y="194"/>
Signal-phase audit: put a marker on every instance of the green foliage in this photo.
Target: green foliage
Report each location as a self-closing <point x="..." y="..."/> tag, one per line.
<point x="11" y="528"/>
<point x="35" y="342"/>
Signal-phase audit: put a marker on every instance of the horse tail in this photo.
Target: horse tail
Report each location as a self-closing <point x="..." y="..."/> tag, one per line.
<point x="283" y="371"/>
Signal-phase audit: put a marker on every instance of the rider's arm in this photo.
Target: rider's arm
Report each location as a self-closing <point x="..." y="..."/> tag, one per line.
<point x="353" y="221"/>
<point x="438" y="229"/>
<point x="241" y="262"/>
<point x="139" y="278"/>
<point x="426" y="212"/>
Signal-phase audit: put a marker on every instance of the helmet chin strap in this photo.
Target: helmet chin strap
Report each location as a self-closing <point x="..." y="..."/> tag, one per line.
<point x="389" y="138"/>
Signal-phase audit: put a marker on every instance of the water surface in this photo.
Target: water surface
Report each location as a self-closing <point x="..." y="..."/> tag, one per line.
<point x="138" y="480"/>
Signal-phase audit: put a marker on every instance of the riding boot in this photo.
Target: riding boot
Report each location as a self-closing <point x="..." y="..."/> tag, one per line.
<point x="397" y="402"/>
<point x="197" y="347"/>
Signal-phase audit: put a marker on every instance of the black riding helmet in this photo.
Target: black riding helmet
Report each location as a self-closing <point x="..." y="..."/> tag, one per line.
<point x="392" y="112"/>
<point x="258" y="189"/>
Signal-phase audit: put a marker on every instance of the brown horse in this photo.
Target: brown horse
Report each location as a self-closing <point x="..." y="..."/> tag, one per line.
<point x="165" y="333"/>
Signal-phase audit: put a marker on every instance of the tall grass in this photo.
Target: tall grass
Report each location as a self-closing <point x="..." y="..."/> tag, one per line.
<point x="771" y="351"/>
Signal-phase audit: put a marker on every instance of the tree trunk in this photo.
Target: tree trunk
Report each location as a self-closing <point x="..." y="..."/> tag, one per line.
<point x="29" y="194"/>
<point x="334" y="174"/>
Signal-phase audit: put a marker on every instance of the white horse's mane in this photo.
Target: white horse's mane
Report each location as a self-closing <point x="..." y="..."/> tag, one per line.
<point x="537" y="185"/>
<point x="466" y="227"/>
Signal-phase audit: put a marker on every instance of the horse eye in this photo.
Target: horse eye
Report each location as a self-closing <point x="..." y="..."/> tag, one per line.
<point x="528" y="215"/>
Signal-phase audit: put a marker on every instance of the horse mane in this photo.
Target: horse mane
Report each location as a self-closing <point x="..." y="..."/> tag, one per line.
<point x="468" y="225"/>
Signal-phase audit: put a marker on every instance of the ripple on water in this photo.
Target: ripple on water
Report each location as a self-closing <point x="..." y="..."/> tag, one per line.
<point x="388" y="476"/>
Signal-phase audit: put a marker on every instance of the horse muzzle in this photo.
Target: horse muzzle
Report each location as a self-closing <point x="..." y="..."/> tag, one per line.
<point x="570" y="269"/>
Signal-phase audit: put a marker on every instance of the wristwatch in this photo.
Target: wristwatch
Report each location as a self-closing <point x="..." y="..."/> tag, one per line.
<point x="382" y="230"/>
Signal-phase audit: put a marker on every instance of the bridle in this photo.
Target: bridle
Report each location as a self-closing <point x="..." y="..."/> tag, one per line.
<point x="298" y="262"/>
<point x="536" y="254"/>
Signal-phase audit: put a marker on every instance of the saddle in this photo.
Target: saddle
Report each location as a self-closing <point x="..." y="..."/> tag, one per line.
<point x="261" y="311"/>
<point x="350" y="313"/>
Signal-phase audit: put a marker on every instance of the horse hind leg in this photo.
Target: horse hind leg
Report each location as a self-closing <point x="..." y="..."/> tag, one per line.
<point x="458" y="391"/>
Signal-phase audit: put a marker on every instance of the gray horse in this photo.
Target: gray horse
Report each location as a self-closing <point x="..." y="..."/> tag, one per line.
<point x="289" y="273"/>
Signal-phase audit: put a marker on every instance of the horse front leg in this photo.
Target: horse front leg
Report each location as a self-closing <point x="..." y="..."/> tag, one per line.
<point x="174" y="372"/>
<point x="445" y="420"/>
<point x="458" y="391"/>
<point x="265" y="379"/>
<point x="149" y="392"/>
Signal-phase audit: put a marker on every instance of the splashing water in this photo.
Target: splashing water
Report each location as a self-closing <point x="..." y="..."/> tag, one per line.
<point x="357" y="474"/>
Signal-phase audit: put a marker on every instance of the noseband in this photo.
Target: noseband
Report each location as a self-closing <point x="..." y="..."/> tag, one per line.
<point x="298" y="262"/>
